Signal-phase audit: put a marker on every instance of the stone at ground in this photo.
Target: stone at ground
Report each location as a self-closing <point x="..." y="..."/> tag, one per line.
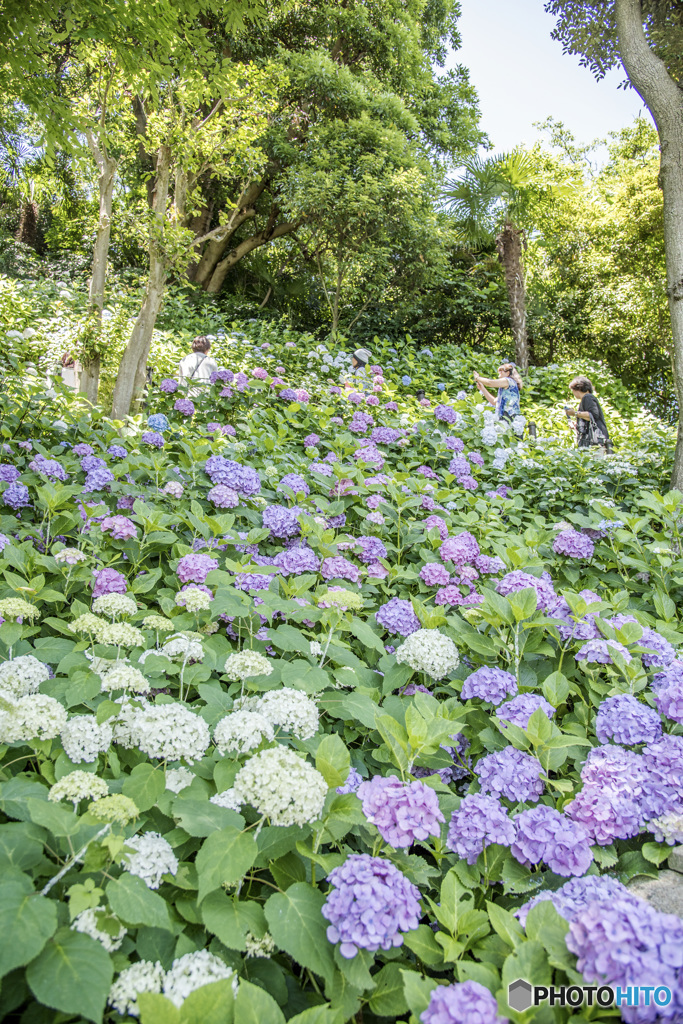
<point x="676" y="859"/>
<point x="664" y="893"/>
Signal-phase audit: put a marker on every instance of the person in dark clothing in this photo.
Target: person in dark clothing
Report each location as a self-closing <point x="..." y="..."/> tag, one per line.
<point x="591" y="428"/>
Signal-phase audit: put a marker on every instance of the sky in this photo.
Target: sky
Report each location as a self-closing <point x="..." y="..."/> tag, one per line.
<point x="522" y="76"/>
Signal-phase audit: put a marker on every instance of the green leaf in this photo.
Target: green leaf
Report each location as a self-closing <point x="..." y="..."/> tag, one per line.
<point x="136" y="904"/>
<point x="73" y="974"/>
<point x="530" y="962"/>
<point x="388" y="999"/>
<point x="254" y="1006"/>
<point x="549" y="929"/>
<point x="287" y="638"/>
<point x="317" y="1015"/>
<point x="55" y="818"/>
<point x="211" y="1004"/>
<point x="229" y="919"/>
<point x="422" y="942"/>
<point x="523" y="603"/>
<point x="517" y="879"/>
<point x="417" y="991"/>
<point x="301" y="675"/>
<point x="28" y="921"/>
<point x="656" y="853"/>
<point x="157" y="1009"/>
<point x="224" y="858"/>
<point x="367" y="636"/>
<point x="298" y="927"/>
<point x="201" y="818"/>
<point x="144" y="785"/>
<point x="333" y="760"/>
<point x="21" y="845"/>
<point x="556" y="688"/>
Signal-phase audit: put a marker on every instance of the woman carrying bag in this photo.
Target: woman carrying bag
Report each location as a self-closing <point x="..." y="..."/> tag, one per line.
<point x="591" y="428"/>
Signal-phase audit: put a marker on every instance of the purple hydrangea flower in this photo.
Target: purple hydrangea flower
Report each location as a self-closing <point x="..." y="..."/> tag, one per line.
<point x="488" y="564"/>
<point x="50" y="468"/>
<point x="664" y="762"/>
<point x="576" y="894"/>
<point x="82" y="449"/>
<point x="455" y="444"/>
<point x="489" y="683"/>
<point x="311" y="440"/>
<point x="194" y="568"/>
<point x="386" y="435"/>
<point x="606" y="814"/>
<point x="370" y="906"/>
<point x="434" y="574"/>
<point x="108" y="581"/>
<point x="120" y="527"/>
<point x="296" y="482"/>
<point x="289" y="394"/>
<point x="478" y="822"/>
<point x="282" y="522"/>
<point x="8" y="474"/>
<point x="372" y="549"/>
<point x="168" y="386"/>
<point x="320" y="467"/>
<point x="404" y="812"/>
<point x="542" y="834"/>
<point x="255" y="580"/>
<point x="222" y="376"/>
<point x="445" y="414"/>
<point x="117" y="451"/>
<point x="626" y="721"/>
<point x="600" y="651"/>
<point x="574" y="544"/>
<point x="476" y="458"/>
<point x="185" y="406"/>
<point x="436" y="523"/>
<point x="153" y="439"/>
<point x="464" y="1002"/>
<point x="16" y="496"/>
<point x="353" y="781"/>
<point x="4" y="541"/>
<point x="517" y="580"/>
<point x="659" y="651"/>
<point x="297" y="560"/>
<point x="259" y="373"/>
<point x="223" y="497"/>
<point x="519" y="710"/>
<point x="338" y="567"/>
<point x="242" y="479"/>
<point x="397" y="617"/>
<point x="669" y="700"/>
<point x="460" y="549"/>
<point x="510" y="773"/>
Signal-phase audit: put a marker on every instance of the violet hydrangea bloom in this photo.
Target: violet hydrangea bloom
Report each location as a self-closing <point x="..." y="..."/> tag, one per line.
<point x="601" y="651"/>
<point x="626" y="721"/>
<point x="185" y="406"/>
<point x="574" y="544"/>
<point x="311" y="440"/>
<point x="108" y="581"/>
<point x="510" y="773"/>
<point x="542" y="834"/>
<point x="242" y="479"/>
<point x="669" y="701"/>
<point x="489" y="683"/>
<point x="82" y="449"/>
<point x="372" y="549"/>
<point x="464" y="1002"/>
<point x="606" y="813"/>
<point x="489" y="564"/>
<point x="282" y="522"/>
<point x="120" y="527"/>
<point x="478" y="822"/>
<point x="297" y="560"/>
<point x="659" y="652"/>
<point x="117" y="451"/>
<point x="664" y="762"/>
<point x="404" y="812"/>
<point x="153" y="439"/>
<point x="16" y="496"/>
<point x="338" y="567"/>
<point x="445" y="414"/>
<point x="460" y="549"/>
<point x="454" y="444"/>
<point x="519" y="710"/>
<point x="370" y="906"/>
<point x="434" y="574"/>
<point x="168" y="386"/>
<point x="353" y="781"/>
<point x="296" y="482"/>
<point x="397" y="617"/>
<point x="194" y="568"/>
<point x="547" y="599"/>
<point x="223" y="497"/>
<point x="8" y="474"/>
<point x="50" y="468"/>
<point x="436" y="523"/>
<point x="576" y="894"/>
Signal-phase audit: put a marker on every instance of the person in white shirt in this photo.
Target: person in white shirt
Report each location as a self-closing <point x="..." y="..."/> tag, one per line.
<point x="198" y="365"/>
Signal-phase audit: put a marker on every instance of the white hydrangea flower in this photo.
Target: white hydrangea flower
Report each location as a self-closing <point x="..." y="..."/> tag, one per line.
<point x="33" y="717"/>
<point x="242" y="731"/>
<point x="70" y="556"/>
<point x="280" y="785"/>
<point x="101" y="926"/>
<point x="315" y="648"/>
<point x="143" y="976"/>
<point x="121" y="634"/>
<point x="429" y="651"/>
<point x="178" y="779"/>
<point x="193" y="971"/>
<point x="193" y="599"/>
<point x="171" y="732"/>
<point x="123" y="676"/>
<point x="152" y="857"/>
<point x="78" y="785"/>
<point x="83" y="739"/>
<point x="518" y="425"/>
<point x="123" y="726"/>
<point x="271" y="471"/>
<point x="183" y="648"/>
<point x="262" y="947"/>
<point x="17" y="608"/>
<point x="668" y="828"/>
<point x="88" y="623"/>
<point x="489" y="435"/>
<point x="291" y="710"/>
<point x="114" y="604"/>
<point x="21" y="676"/>
<point x="244" y="664"/>
<point x="159" y="623"/>
<point x="228" y="798"/>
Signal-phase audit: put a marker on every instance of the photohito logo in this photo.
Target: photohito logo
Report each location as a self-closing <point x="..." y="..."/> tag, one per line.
<point x="522" y="995"/>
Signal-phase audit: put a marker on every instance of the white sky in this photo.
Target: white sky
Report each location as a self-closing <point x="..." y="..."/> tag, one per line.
<point x="522" y="76"/>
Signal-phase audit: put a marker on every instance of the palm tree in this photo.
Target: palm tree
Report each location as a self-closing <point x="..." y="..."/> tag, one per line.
<point x="494" y="202"/>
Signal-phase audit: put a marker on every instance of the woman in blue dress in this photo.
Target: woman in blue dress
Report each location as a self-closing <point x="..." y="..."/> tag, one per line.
<point x="508" y="386"/>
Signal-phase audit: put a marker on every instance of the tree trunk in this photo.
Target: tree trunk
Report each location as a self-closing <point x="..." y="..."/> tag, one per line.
<point x="137" y="350"/>
<point x="201" y="273"/>
<point x="663" y="98"/>
<point x="509" y="245"/>
<point x="90" y="374"/>
<point x="243" y="249"/>
<point x="27" y="232"/>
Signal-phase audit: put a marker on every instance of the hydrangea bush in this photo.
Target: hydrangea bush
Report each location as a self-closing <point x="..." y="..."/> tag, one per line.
<point x="323" y="706"/>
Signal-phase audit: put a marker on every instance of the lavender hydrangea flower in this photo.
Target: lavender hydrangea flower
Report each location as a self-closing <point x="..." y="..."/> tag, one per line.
<point x="8" y="474"/>
<point x="464" y="1002"/>
<point x="489" y="683"/>
<point x="371" y="905"/>
<point x="281" y="521"/>
<point x="445" y="414"/>
<point x="353" y="781"/>
<point x="606" y="813"/>
<point x="194" y="568"/>
<point x="478" y="822"/>
<point x="311" y="440"/>
<point x="372" y="549"/>
<point x="519" y="710"/>
<point x="404" y="812"/>
<point x="455" y="444"/>
<point x="626" y="721"/>
<point x="576" y="894"/>
<point x="117" y="451"/>
<point x="489" y="564"/>
<point x="16" y="496"/>
<point x="542" y="834"/>
<point x="386" y="435"/>
<point x="664" y="762"/>
<point x="436" y="523"/>
<point x="296" y="482"/>
<point x="82" y="449"/>
<point x="153" y="439"/>
<point x="108" y="581"/>
<point x="517" y="580"/>
<point x="573" y="544"/>
<point x="289" y="394"/>
<point x="297" y="560"/>
<point x="669" y="701"/>
<point x="510" y="773"/>
<point x="50" y="468"/>
<point x="120" y="527"/>
<point x="185" y="406"/>
<point x="223" y="497"/>
<point x="659" y="651"/>
<point x="434" y="574"/>
<point x="397" y="617"/>
<point x="168" y="386"/>
<point x="338" y="567"/>
<point x="460" y="549"/>
<point x="601" y="651"/>
<point x="242" y="479"/>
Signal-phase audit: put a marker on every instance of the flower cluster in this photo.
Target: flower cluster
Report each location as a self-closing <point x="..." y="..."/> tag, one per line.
<point x="151" y="858"/>
<point x="478" y="822"/>
<point x="511" y="773"/>
<point x="281" y="786"/>
<point x="542" y="834"/>
<point x="404" y="812"/>
<point x="429" y="651"/>
<point x="489" y="683"/>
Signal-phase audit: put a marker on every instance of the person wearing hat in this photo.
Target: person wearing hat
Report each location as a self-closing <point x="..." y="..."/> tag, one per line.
<point x="357" y="376"/>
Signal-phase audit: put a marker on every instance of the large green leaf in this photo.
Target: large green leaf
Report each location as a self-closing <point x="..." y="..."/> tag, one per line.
<point x="135" y="904"/>
<point x="317" y="1015"/>
<point x="224" y="858"/>
<point x="73" y="974"/>
<point x="211" y="1004"/>
<point x="298" y="927"/>
<point x="388" y="999"/>
<point x="332" y="759"/>
<point x="230" y="919"/>
<point x="254" y="1006"/>
<point x="144" y="785"/>
<point x="21" y="845"/>
<point x="28" y="921"/>
<point x="201" y="817"/>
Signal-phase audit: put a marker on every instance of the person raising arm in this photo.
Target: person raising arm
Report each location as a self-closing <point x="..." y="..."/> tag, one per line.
<point x="507" y="385"/>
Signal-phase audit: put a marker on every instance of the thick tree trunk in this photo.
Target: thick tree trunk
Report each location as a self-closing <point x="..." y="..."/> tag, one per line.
<point x="509" y="245"/>
<point x="137" y="349"/>
<point x="211" y="257"/>
<point x="243" y="249"/>
<point x="90" y="374"/>
<point x="664" y="99"/>
<point x="27" y="232"/>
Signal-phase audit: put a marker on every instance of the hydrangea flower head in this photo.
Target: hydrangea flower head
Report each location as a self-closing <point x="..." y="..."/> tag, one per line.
<point x="478" y="822"/>
<point x="573" y="544"/>
<point x="464" y="1002"/>
<point x="429" y="651"/>
<point x="519" y="710"/>
<point x="542" y="834"/>
<point x="460" y="549"/>
<point x="397" y="617"/>
<point x="404" y="812"/>
<point x="489" y="683"/>
<point x="626" y="721"/>
<point x="511" y="773"/>
<point x="194" y="568"/>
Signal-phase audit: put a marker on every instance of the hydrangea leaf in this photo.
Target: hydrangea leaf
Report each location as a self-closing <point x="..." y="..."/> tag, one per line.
<point x="298" y="927"/>
<point x="135" y="904"/>
<point x="224" y="858"/>
<point x="28" y="921"/>
<point x="73" y="974"/>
